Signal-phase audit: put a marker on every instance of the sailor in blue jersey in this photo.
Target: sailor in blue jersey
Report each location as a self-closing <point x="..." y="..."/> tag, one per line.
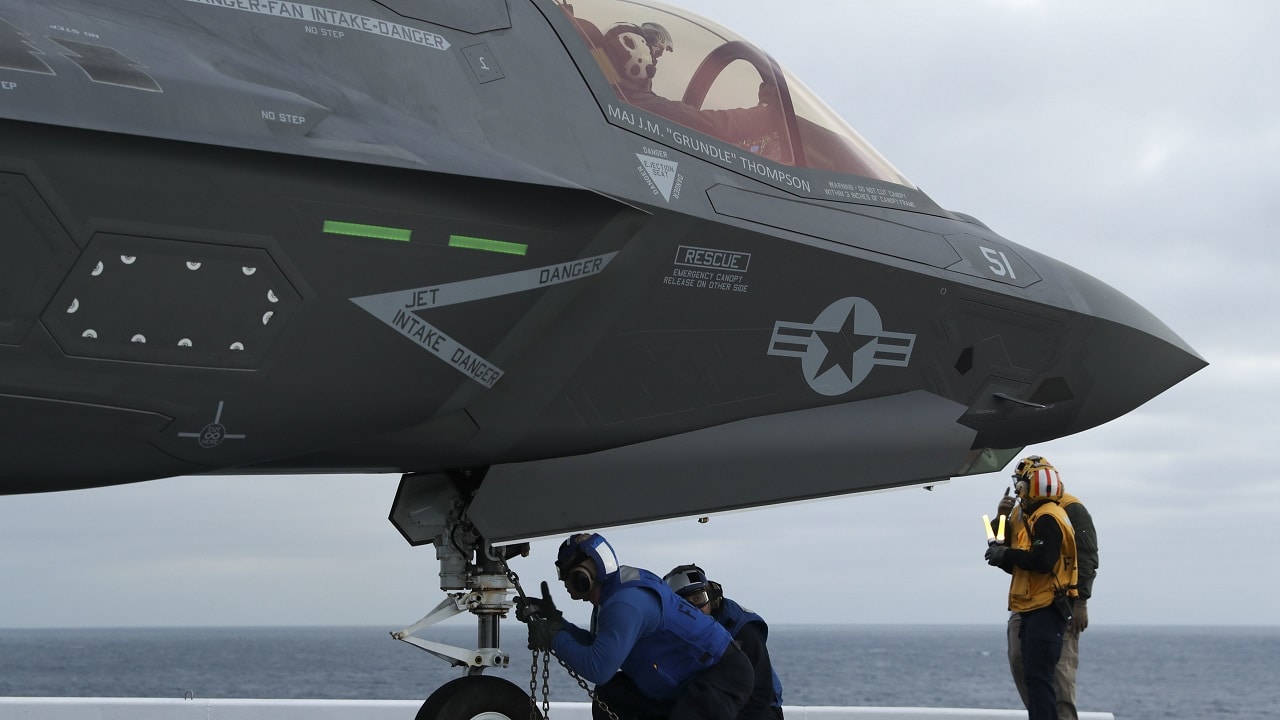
<point x="650" y="654"/>
<point x="748" y="629"/>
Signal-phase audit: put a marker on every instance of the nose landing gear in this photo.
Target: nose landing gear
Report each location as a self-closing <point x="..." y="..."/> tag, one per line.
<point x="474" y="574"/>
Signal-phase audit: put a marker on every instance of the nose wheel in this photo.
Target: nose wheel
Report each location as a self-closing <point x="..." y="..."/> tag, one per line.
<point x="479" y="697"/>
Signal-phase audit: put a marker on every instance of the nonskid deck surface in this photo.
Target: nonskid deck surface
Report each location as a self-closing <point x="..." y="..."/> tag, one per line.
<point x="53" y="708"/>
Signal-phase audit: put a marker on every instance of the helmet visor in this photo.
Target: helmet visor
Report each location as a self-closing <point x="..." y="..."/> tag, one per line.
<point x="699" y="598"/>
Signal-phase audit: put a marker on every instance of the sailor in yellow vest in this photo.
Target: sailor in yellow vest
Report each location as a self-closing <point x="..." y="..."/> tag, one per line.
<point x="1041" y="555"/>
<point x="1064" y="676"/>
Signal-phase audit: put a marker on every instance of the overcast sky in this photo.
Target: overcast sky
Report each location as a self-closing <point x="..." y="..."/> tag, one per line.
<point x="1138" y="141"/>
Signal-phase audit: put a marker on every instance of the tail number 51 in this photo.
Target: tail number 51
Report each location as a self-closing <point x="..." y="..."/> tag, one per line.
<point x="1000" y="264"/>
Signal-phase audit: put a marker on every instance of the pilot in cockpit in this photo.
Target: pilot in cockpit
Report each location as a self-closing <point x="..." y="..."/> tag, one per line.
<point x="634" y="51"/>
<point x="720" y="85"/>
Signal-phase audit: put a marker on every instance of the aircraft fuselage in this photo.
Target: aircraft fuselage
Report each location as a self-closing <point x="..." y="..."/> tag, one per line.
<point x="267" y="237"/>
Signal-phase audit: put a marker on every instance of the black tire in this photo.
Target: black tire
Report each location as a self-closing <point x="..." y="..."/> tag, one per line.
<point x="431" y="708"/>
<point x="478" y="697"/>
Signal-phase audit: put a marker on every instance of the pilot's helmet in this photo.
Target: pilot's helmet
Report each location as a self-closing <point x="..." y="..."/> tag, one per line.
<point x="1036" y="479"/>
<point x="584" y="560"/>
<point x="658" y="39"/>
<point x="629" y="51"/>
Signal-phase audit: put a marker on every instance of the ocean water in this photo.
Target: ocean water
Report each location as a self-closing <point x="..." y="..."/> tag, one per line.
<point x="1138" y="673"/>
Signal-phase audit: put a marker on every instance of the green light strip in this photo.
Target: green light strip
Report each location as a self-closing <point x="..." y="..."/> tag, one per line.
<point x="498" y="246"/>
<point x="334" y="227"/>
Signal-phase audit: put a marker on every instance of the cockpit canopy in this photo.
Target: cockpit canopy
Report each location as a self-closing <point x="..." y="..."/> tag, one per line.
<point x="693" y="72"/>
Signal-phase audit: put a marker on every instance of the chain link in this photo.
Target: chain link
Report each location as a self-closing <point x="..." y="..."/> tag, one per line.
<point x="583" y="684"/>
<point x="546" y="682"/>
<point x="533" y="689"/>
<point x="546" y="668"/>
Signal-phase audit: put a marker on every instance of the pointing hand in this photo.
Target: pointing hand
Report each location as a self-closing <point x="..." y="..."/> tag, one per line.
<point x="1006" y="504"/>
<point x="529" y="608"/>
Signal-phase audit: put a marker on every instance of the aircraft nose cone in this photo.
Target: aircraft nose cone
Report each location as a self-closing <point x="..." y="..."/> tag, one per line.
<point x="1115" y="355"/>
<point x="1127" y="355"/>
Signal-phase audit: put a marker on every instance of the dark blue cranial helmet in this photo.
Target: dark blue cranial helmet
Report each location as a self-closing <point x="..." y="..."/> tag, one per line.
<point x="585" y="559"/>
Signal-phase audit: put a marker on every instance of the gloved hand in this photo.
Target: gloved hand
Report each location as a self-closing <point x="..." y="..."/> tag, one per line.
<point x="531" y="608"/>
<point x="1006" y="504"/>
<point x="995" y="555"/>
<point x="1080" y="616"/>
<point x="542" y="631"/>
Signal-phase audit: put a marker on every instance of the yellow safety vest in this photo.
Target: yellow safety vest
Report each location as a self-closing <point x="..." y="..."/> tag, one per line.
<point x="1034" y="590"/>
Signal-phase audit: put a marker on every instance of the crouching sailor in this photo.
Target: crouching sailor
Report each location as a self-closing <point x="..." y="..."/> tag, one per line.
<point x="650" y="653"/>
<point x="749" y="630"/>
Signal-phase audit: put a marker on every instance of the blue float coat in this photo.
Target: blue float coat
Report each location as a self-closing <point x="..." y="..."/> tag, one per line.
<point x="645" y="630"/>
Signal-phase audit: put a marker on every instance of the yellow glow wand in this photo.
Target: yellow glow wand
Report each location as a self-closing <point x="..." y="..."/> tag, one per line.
<point x="1000" y="532"/>
<point x="986" y="525"/>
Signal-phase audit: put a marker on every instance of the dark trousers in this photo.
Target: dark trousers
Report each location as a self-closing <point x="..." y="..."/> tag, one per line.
<point x="1064" y="675"/>
<point x="717" y="693"/>
<point x="1041" y="647"/>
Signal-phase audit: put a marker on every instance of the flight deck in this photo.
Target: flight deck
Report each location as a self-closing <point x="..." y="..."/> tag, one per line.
<point x="246" y="709"/>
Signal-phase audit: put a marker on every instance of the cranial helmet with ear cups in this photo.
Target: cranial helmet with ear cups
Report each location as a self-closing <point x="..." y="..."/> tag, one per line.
<point x="585" y="559"/>
<point x="686" y="580"/>
<point x="1042" y="479"/>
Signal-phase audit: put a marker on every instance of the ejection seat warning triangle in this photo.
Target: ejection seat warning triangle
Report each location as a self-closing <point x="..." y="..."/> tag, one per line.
<point x="661" y="174"/>
<point x="399" y="309"/>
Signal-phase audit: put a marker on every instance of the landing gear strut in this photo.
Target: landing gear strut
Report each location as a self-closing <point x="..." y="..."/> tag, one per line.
<point x="473" y="573"/>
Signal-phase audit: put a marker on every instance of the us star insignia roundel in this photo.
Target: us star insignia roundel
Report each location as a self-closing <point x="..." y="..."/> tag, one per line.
<point x="838" y="350"/>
